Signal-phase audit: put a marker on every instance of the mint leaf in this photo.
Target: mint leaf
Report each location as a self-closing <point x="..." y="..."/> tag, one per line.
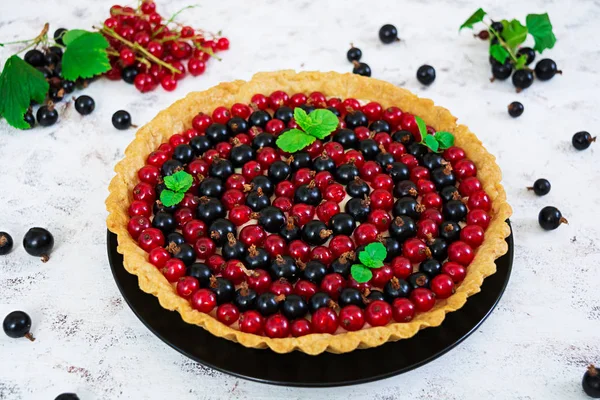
<point x="360" y="273"/>
<point x="445" y="139"/>
<point x="19" y="84"/>
<point x="72" y="34"/>
<point x="85" y="56"/>
<point x="499" y="53"/>
<point x="514" y="33"/>
<point x="541" y="29"/>
<point x="322" y="123"/>
<point x="373" y="255"/>
<point x="521" y="61"/>
<point x="431" y="142"/>
<point x="180" y="181"/>
<point x="302" y="118"/>
<point x="170" y="198"/>
<point x="422" y="127"/>
<point x="294" y="140"/>
<point x="473" y="19"/>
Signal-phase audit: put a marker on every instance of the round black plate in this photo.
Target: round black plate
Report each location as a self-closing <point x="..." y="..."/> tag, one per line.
<point x="299" y="369"/>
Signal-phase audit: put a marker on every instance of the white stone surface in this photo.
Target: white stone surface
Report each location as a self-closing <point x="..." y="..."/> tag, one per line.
<point x="534" y="346"/>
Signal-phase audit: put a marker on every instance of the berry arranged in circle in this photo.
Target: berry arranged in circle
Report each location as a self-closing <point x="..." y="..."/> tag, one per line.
<point x="364" y="227"/>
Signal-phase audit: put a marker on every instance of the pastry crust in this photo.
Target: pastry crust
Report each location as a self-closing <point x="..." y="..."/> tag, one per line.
<point x="178" y="117"/>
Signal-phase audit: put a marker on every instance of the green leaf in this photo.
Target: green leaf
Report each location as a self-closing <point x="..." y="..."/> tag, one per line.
<point x="180" y="181"/>
<point x="521" y="61"/>
<point x="170" y="198"/>
<point x="541" y="29"/>
<point x="360" y="273"/>
<point x="431" y="142"/>
<point x="294" y="140"/>
<point x="514" y="33"/>
<point x="72" y="34"/>
<point x="473" y="19"/>
<point x="85" y="57"/>
<point x="373" y="255"/>
<point x="499" y="53"/>
<point x="323" y="122"/>
<point x="422" y="127"/>
<point x="19" y="84"/>
<point x="302" y="118"/>
<point x="445" y="139"/>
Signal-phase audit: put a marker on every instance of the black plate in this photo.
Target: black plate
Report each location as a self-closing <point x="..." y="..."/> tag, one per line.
<point x="299" y="369"/>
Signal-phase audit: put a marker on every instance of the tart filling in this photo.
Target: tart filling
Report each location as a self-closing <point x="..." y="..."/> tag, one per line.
<point x="258" y="246"/>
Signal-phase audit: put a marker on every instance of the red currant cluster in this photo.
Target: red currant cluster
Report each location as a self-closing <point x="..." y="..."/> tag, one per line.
<point x="146" y="52"/>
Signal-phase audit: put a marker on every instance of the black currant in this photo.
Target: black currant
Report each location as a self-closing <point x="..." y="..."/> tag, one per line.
<point x="393" y="248"/>
<point x="450" y="231"/>
<point x="267" y="304"/>
<point x="314" y="271"/>
<point x="319" y="300"/>
<point x="67" y="396"/>
<point x="396" y="288"/>
<point x="357" y="188"/>
<point x="128" y="74"/>
<point x="541" y="187"/>
<point x="284" y="113"/>
<point x="454" y="210"/>
<point x="69" y="86"/>
<point x="430" y="267"/>
<point x="290" y="230"/>
<point x="263" y="183"/>
<point x="522" y="79"/>
<point x="417" y="149"/>
<point x="375" y="295"/>
<point x="38" y="242"/>
<point x="497" y="26"/>
<point x="175" y="237"/>
<point x="184" y="154"/>
<point x="58" y="36"/>
<point x="439" y="249"/>
<point x="308" y="194"/>
<point x="388" y="33"/>
<point x="219" y="229"/>
<point x="342" y="224"/>
<point x="279" y="171"/>
<point x="184" y="252"/>
<point x="515" y="109"/>
<point x="200" y="144"/>
<point x="355" y="118"/>
<point x="315" y="233"/>
<point x="426" y="74"/>
<point x="361" y="68"/>
<point x="264" y="139"/>
<point x="29" y="118"/>
<point x="217" y="133"/>
<point x="591" y="382"/>
<point x="241" y="154"/>
<point x="418" y="279"/>
<point x="545" y="69"/>
<point x="299" y="160"/>
<point x="449" y="193"/>
<point x="259" y="118"/>
<point x="233" y="249"/>
<point x="527" y="52"/>
<point x="224" y="289"/>
<point x="402" y="228"/>
<point x="324" y="163"/>
<point x="354" y="54"/>
<point x="46" y="115"/>
<point x="582" y="140"/>
<point x="343" y="264"/>
<point x="272" y="219"/>
<point x="294" y="307"/>
<point x="85" y="105"/>
<point x="121" y="120"/>
<point x="551" y="218"/>
<point x="170" y="167"/>
<point x="257" y="258"/>
<point x="308" y="108"/>
<point x="380" y="126"/>
<point x="35" y="58"/>
<point x="284" y="267"/>
<point x="220" y="167"/>
<point x="501" y="71"/>
<point x="351" y="296"/>
<point x="237" y="125"/>
<point x="346" y="137"/>
<point x="17" y="325"/>
<point x="211" y="187"/>
<point x="398" y="172"/>
<point x="359" y="209"/>
<point x="442" y="177"/>
<point x="369" y="148"/>
<point x="407" y="206"/>
<point x="404" y="137"/>
<point x="164" y="221"/>
<point x="245" y="298"/>
<point x="257" y="200"/>
<point x="6" y="243"/>
<point x="346" y="173"/>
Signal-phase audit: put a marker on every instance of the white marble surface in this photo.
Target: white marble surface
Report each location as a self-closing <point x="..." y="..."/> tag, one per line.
<point x="534" y="346"/>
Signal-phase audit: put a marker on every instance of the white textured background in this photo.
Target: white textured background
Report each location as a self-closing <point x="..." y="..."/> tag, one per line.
<point x="534" y="346"/>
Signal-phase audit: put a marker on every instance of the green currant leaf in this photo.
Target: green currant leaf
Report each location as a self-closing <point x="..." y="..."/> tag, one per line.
<point x="19" y="84"/>
<point x="322" y="123"/>
<point x="473" y="19"/>
<point x="499" y="53"/>
<point x="540" y="27"/>
<point x="360" y="273"/>
<point x="72" y="34"/>
<point x="373" y="255"/>
<point x="294" y="140"/>
<point x="445" y="139"/>
<point x="85" y="57"/>
<point x="521" y="61"/>
<point x="514" y="33"/>
<point x="180" y="181"/>
<point x="422" y="127"/>
<point x="170" y="198"/>
<point x="431" y="142"/>
<point x="302" y="118"/>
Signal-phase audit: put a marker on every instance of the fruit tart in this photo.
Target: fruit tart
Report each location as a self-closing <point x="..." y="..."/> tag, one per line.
<point x="308" y="211"/>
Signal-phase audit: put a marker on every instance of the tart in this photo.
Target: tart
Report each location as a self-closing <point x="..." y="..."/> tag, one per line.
<point x="260" y="245"/>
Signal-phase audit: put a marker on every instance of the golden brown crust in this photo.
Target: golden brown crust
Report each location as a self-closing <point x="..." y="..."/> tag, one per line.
<point x="178" y="117"/>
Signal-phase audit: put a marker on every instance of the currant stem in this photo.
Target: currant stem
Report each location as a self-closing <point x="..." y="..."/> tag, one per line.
<point x="137" y="47"/>
<point x="171" y="19"/>
<point x="30" y="337"/>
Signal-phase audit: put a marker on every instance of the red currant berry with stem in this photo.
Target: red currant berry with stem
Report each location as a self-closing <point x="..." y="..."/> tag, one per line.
<point x="327" y="209"/>
<point x="322" y="254"/>
<point x="251" y="170"/>
<point x="352" y="318"/>
<point x="186" y="286"/>
<point x="168" y="148"/>
<point x="423" y="299"/>
<point x="372" y="110"/>
<point x="341" y="244"/>
<point x="415" y="250"/>
<point x="176" y="139"/>
<point x="442" y="286"/>
<point x="323" y="179"/>
<point x="335" y="193"/>
<point x="240" y="214"/>
<point x="277" y="326"/>
<point x="114" y="74"/>
<point x="461" y="253"/>
<point x="168" y="83"/>
<point x="234" y="271"/>
<point x="383" y="139"/>
<point x="216" y="263"/>
<point x="197" y="167"/>
<point x="283" y="203"/>
<point x="204" y="300"/>
<point x="189" y="134"/>
<point x="381" y="219"/>
<point x="425" y="186"/>
<point x="455" y="271"/>
<point x="432" y="214"/>
<point x="240" y="110"/>
<point x="315" y="148"/>
<point x="393" y="116"/>
<point x="305" y="289"/>
<point x="159" y="257"/>
<point x="111" y="23"/>
<point x="193" y="230"/>
<point x="301" y="327"/>
<point x="381" y="200"/>
<point x="140" y="208"/>
<point x="156" y="49"/>
<point x="382" y="275"/>
<point x="145" y="192"/>
<point x="355" y="157"/>
<point x="351" y="103"/>
<point x="378" y="313"/>
<point x="277" y="99"/>
<point x="183" y="215"/>
<point x="235" y="181"/>
<point x="396" y="149"/>
<point x="464" y="168"/>
<point x="204" y="248"/>
<point x="369" y="170"/>
<point x="478" y="217"/>
<point x="303" y="176"/>
<point x="259" y="280"/>
<point x="148" y="7"/>
<point x="299" y="250"/>
<point x="297" y="100"/>
<point x="383" y="181"/>
<point x="469" y="185"/>
<point x="252" y="235"/>
<point x="454" y="154"/>
<point x="410" y="160"/>
<point x="334" y="102"/>
<point x="285" y="189"/>
<point x="180" y="50"/>
<point x="419" y="173"/>
<point x="281" y="287"/>
<point x="274" y="126"/>
<point x="222" y="44"/>
<point x="174" y="270"/>
<point x="401" y="267"/>
<point x="221" y="115"/>
<point x="201" y="55"/>
<point x="432" y="200"/>
<point x="302" y="213"/>
<point x="333" y="284"/>
<point x="187" y="32"/>
<point x="266" y="156"/>
<point x="201" y="121"/>
<point x="232" y="198"/>
<point x="137" y="225"/>
<point x="317" y="99"/>
<point x="403" y="310"/>
<point x="335" y="151"/>
<point x="260" y="101"/>
<point x="324" y="320"/>
<point x="275" y="245"/>
<point x="472" y="235"/>
<point x="427" y="229"/>
<point x="149" y="174"/>
<point x="251" y="322"/>
<point x="142" y="38"/>
<point x="479" y="201"/>
<point x="127" y="56"/>
<point x="223" y="149"/>
<point x="408" y="122"/>
<point x="362" y="132"/>
<point x="365" y="233"/>
<point x="227" y="313"/>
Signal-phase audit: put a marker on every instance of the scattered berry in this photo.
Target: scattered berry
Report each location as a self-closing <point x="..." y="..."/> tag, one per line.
<point x="17" y="325"/>
<point x="121" y="120"/>
<point x="388" y="33"/>
<point x="426" y="74"/>
<point x="38" y="242"/>
<point x="582" y="140"/>
<point x="515" y="109"/>
<point x="551" y="218"/>
<point x="85" y="105"/>
<point x="541" y="187"/>
<point x="6" y="243"/>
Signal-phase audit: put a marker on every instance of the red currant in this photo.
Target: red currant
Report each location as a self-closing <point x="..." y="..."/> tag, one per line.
<point x="442" y="286"/>
<point x="193" y="230"/>
<point x="259" y="280"/>
<point x="186" y="286"/>
<point x="251" y="322"/>
<point x="159" y="257"/>
<point x="204" y="300"/>
<point x="333" y="284"/>
<point x="275" y="245"/>
<point x="352" y="318"/>
<point x="227" y="313"/>
<point x="461" y="253"/>
<point x="403" y="310"/>
<point x="305" y="289"/>
<point x="423" y="299"/>
<point x="365" y="233"/>
<point x="260" y="101"/>
<point x="324" y="320"/>
<point x="401" y="267"/>
<point x="415" y="250"/>
<point x="204" y="248"/>
<point x="454" y="154"/>
<point x="301" y="327"/>
<point x="322" y="254"/>
<point x="378" y="313"/>
<point x="281" y="287"/>
<point x="174" y="270"/>
<point x="277" y="326"/>
<point x="381" y="276"/>
<point x="478" y="217"/>
<point x="327" y="209"/>
<point x="472" y="235"/>
<point x="335" y="193"/>
<point x="252" y="235"/>
<point x="137" y="225"/>
<point x="381" y="200"/>
<point x="479" y="201"/>
<point x="464" y="168"/>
